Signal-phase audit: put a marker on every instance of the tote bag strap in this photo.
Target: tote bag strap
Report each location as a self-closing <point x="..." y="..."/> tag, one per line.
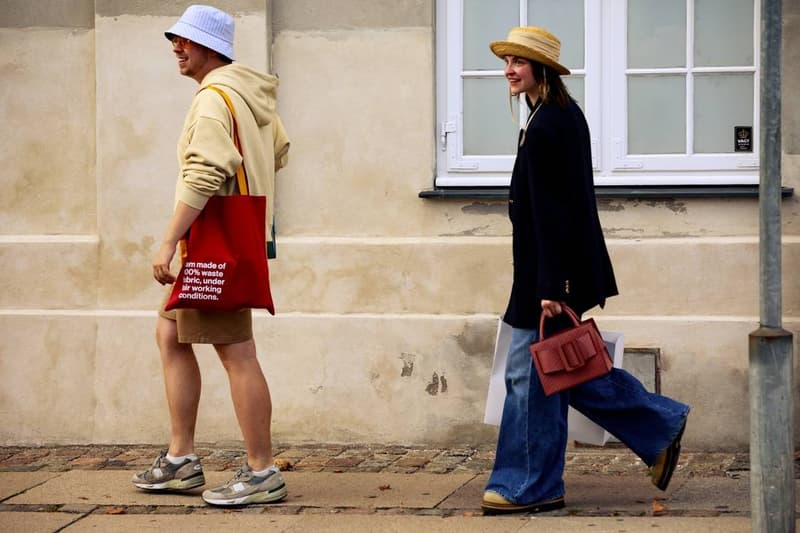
<point x="241" y="176"/>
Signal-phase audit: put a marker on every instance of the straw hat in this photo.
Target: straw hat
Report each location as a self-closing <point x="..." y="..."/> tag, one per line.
<point x="532" y="43"/>
<point x="207" y="26"/>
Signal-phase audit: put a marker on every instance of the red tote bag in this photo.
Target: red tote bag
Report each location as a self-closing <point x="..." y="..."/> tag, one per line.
<point x="224" y="254"/>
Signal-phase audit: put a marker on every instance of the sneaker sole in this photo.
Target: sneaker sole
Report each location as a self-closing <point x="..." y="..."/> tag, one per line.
<point x="259" y="497"/>
<point x="173" y="484"/>
<point x="539" y="507"/>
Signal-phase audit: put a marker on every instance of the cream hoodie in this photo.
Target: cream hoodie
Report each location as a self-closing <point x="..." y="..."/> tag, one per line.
<point x="207" y="156"/>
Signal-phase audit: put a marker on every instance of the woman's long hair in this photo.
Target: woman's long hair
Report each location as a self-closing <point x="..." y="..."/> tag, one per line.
<point x="551" y="86"/>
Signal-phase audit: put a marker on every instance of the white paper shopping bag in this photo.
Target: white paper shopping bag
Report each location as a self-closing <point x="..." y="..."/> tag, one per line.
<point x="497" y="383"/>
<point x="580" y="428"/>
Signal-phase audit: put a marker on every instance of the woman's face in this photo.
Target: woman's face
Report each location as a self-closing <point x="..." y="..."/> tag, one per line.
<point x="519" y="74"/>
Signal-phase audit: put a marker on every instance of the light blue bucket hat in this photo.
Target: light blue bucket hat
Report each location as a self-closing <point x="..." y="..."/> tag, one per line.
<point x="207" y="26"/>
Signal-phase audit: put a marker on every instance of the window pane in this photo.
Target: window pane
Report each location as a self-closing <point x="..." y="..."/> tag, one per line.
<point x="564" y="18"/>
<point x="723" y="33"/>
<point x="656" y="114"/>
<point x="721" y="101"/>
<point x="489" y="128"/>
<point x="485" y="22"/>
<point x="575" y="86"/>
<point x="656" y="33"/>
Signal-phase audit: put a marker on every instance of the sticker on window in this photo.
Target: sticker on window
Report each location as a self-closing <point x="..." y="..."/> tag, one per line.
<point x="743" y="138"/>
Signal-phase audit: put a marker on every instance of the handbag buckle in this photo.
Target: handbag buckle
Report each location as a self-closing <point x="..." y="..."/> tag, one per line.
<point x="571" y="357"/>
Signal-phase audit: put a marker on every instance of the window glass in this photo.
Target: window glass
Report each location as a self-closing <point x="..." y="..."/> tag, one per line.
<point x="656" y="33"/>
<point x="575" y="86"/>
<point x="721" y="101"/>
<point x="723" y="33"/>
<point x="489" y="126"/>
<point x="663" y="84"/>
<point x="656" y="114"/>
<point x="485" y="22"/>
<point x="565" y="19"/>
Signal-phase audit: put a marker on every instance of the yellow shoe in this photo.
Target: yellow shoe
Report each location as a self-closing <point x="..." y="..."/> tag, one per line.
<point x="666" y="462"/>
<point x="493" y="503"/>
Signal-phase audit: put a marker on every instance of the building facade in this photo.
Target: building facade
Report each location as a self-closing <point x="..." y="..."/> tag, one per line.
<point x="387" y="298"/>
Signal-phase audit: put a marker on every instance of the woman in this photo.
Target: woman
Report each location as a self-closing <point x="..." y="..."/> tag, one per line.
<point x="560" y="257"/>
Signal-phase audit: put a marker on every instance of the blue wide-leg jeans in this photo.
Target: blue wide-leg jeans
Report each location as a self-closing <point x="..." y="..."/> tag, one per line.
<point x="529" y="463"/>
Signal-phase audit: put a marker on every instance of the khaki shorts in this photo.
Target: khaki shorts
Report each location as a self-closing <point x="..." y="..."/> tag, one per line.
<point x="209" y="327"/>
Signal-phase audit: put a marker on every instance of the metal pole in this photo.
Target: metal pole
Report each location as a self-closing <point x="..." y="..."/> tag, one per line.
<point x="771" y="418"/>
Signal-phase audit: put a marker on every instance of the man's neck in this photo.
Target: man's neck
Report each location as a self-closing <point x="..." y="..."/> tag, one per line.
<point x="212" y="64"/>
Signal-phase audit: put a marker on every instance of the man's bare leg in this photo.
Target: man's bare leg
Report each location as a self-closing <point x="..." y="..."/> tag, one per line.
<point x="182" y="382"/>
<point x="251" y="400"/>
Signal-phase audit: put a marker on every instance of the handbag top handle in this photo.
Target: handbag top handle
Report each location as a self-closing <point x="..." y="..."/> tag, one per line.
<point x="241" y="176"/>
<point x="568" y="310"/>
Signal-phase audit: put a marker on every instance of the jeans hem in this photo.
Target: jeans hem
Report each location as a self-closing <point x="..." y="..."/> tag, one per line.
<point x="675" y="434"/>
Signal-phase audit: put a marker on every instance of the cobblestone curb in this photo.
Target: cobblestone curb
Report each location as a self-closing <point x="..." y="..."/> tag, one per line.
<point x="351" y="458"/>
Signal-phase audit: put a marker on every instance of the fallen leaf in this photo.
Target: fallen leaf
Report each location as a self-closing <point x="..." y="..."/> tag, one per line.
<point x="385" y="487"/>
<point x="659" y="509"/>
<point x="284" y="464"/>
<point x="116" y="510"/>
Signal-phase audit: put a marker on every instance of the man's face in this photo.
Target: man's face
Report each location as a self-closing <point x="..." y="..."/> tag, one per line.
<point x="192" y="58"/>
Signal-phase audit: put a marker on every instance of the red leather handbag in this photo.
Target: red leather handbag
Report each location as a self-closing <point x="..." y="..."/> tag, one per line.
<point x="570" y="357"/>
<point x="224" y="254"/>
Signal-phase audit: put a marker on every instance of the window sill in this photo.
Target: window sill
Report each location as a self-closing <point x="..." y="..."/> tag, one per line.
<point x="685" y="191"/>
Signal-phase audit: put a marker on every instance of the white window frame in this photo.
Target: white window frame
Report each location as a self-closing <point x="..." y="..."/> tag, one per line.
<point x="605" y="58"/>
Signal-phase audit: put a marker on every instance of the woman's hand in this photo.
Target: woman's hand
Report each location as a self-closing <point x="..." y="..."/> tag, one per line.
<point x="551" y="308"/>
<point x="161" y="263"/>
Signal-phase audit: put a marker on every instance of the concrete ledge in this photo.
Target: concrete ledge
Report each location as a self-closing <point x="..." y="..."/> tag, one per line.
<point x="63" y="14"/>
<point x="453" y="276"/>
<point x="402" y="379"/>
<point x="48" y="108"/>
<point x="436" y="275"/>
<point x="47" y="391"/>
<point x="473" y="275"/>
<point x="55" y="275"/>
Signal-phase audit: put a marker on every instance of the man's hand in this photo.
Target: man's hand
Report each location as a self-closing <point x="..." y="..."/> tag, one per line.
<point x="551" y="308"/>
<point x="181" y="221"/>
<point x="161" y="263"/>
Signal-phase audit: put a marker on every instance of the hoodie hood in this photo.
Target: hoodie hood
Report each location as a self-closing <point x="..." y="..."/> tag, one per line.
<point x="257" y="89"/>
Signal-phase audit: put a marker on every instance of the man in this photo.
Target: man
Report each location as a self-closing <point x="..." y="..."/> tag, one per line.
<point x="202" y="41"/>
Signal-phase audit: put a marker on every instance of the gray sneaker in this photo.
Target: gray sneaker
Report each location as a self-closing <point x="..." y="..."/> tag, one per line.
<point x="164" y="475"/>
<point x="246" y="487"/>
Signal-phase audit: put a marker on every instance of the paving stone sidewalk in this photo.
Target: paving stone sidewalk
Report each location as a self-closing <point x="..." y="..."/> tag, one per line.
<point x="365" y="488"/>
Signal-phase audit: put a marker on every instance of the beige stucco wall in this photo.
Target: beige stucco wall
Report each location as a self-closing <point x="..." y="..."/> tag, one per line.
<point x="377" y="290"/>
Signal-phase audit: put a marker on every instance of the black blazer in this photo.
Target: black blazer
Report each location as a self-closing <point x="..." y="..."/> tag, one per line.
<point x="558" y="246"/>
